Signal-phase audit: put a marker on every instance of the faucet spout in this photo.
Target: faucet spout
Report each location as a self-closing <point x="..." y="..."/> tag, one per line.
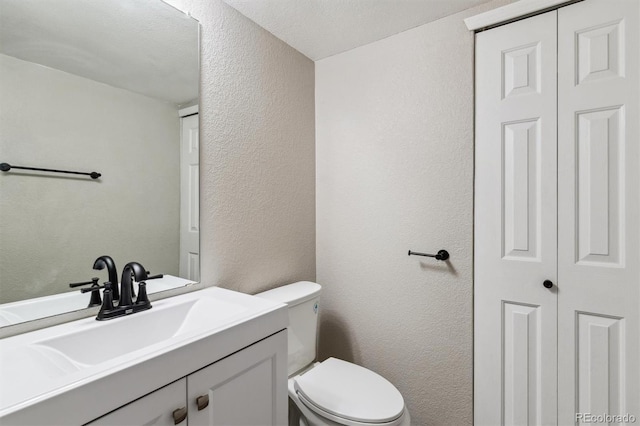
<point x="131" y="270"/>
<point x="107" y="262"/>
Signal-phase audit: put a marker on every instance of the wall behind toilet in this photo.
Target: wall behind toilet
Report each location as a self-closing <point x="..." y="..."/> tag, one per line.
<point x="394" y="130"/>
<point x="257" y="140"/>
<point x="394" y="149"/>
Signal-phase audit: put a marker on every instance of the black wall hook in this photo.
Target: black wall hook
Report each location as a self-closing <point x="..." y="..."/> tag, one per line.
<point x="441" y="255"/>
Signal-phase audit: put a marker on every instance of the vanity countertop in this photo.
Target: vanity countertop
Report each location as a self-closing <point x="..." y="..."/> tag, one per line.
<point x="76" y="369"/>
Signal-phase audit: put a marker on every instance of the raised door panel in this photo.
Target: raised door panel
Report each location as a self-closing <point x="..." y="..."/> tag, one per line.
<point x="246" y="388"/>
<point x="599" y="160"/>
<point x="515" y="223"/>
<point x="522" y="364"/>
<point x="155" y="409"/>
<point x="520" y="190"/>
<point x="598" y="210"/>
<point x="601" y="368"/>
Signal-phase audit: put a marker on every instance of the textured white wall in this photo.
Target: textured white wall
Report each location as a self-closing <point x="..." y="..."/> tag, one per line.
<point x="257" y="189"/>
<point x="52" y="228"/>
<point x="394" y="148"/>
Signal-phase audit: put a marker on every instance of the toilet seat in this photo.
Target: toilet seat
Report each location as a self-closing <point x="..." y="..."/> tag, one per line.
<point x="349" y="394"/>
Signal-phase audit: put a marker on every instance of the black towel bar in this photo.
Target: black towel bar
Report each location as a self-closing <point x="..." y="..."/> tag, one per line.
<point x="5" y="167"/>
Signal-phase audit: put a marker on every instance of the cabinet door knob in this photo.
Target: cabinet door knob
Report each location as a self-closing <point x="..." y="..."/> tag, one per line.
<point x="179" y="415"/>
<point x="547" y="284"/>
<point x="202" y="402"/>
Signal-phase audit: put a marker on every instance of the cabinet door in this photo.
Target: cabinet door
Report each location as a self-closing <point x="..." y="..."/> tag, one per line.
<point x="246" y="388"/>
<point x="599" y="209"/>
<point x="515" y="224"/>
<point x="157" y="408"/>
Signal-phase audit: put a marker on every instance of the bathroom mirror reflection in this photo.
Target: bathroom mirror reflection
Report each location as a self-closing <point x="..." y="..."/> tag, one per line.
<point x="95" y="86"/>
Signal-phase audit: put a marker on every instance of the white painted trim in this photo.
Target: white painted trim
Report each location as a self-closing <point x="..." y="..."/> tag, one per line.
<point x="188" y="111"/>
<point x="509" y="12"/>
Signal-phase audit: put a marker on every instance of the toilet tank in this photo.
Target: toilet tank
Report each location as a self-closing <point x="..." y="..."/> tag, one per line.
<point x="301" y="299"/>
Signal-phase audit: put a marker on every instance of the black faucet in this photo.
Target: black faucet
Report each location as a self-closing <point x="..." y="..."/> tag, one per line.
<point x="109" y="311"/>
<point x="131" y="270"/>
<point x="107" y="261"/>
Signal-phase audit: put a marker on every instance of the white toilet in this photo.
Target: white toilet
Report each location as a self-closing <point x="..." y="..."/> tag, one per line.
<point x="332" y="392"/>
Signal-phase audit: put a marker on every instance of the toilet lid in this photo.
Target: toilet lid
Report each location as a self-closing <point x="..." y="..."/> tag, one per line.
<point x="349" y="391"/>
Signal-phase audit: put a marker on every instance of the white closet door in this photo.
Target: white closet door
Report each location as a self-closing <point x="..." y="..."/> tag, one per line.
<point x="599" y="192"/>
<point x="515" y="224"/>
<point x="190" y="198"/>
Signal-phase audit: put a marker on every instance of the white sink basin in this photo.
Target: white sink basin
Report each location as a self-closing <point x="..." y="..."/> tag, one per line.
<point x="46" y="306"/>
<point x="114" y="338"/>
<point x="72" y="363"/>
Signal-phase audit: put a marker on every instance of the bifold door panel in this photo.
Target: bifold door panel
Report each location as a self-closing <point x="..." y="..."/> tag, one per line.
<point x="515" y="216"/>
<point x="598" y="209"/>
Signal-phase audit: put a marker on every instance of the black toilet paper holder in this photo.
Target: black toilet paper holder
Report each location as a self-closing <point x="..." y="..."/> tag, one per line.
<point x="441" y="255"/>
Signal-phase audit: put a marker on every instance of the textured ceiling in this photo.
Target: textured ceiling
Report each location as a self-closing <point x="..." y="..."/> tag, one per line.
<point x="145" y="46"/>
<point x="321" y="28"/>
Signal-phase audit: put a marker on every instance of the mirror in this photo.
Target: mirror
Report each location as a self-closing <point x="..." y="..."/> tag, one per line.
<point x="95" y="86"/>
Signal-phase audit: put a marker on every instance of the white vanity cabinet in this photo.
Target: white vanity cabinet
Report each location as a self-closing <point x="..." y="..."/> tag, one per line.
<point x="225" y="349"/>
<point x="245" y="388"/>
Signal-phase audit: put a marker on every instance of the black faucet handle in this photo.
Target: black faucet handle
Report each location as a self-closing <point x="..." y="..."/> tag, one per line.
<point x="142" y="299"/>
<point x="92" y="288"/>
<point x="106" y="310"/>
<point x="94" y="282"/>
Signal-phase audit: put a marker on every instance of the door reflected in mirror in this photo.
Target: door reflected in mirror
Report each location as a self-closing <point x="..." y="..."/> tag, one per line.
<point x="90" y="86"/>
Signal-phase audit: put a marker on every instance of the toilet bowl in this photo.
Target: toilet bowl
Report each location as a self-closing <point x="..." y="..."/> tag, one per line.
<point x="336" y="392"/>
<point x="331" y="392"/>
